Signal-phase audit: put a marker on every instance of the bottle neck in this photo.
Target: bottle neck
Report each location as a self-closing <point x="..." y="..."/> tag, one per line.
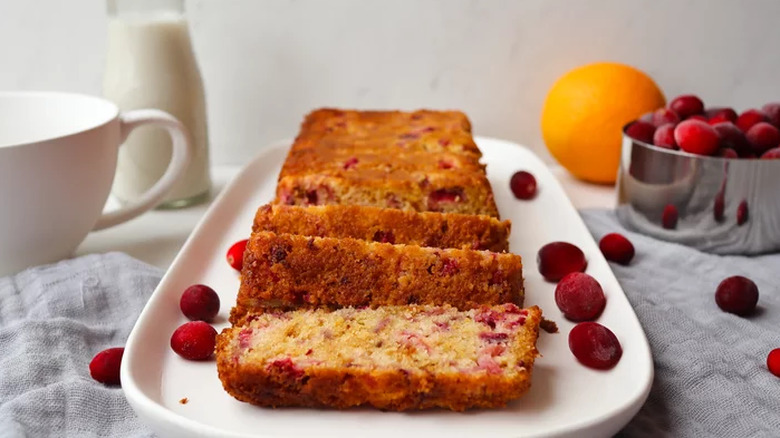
<point x="138" y="8"/>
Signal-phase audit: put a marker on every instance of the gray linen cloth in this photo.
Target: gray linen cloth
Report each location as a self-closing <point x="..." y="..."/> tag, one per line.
<point x="53" y="319"/>
<point x="711" y="378"/>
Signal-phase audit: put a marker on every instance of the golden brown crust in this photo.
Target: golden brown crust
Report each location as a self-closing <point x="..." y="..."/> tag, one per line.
<point x="422" y="161"/>
<point x="418" y="131"/>
<point x="389" y="389"/>
<point x="292" y="271"/>
<point x="441" y="230"/>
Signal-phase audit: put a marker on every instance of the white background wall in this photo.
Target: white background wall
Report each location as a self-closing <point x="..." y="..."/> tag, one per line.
<point x="267" y="62"/>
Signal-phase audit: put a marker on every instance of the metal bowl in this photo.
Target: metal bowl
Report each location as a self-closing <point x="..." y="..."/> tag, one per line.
<point x="723" y="205"/>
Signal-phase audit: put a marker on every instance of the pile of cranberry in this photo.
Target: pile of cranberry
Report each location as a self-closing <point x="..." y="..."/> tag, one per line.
<point x="685" y="124"/>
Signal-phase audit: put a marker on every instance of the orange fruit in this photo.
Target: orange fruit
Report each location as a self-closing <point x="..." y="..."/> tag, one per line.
<point x="584" y="114"/>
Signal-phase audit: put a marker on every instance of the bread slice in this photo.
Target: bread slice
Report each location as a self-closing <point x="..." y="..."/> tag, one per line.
<point x="288" y="271"/>
<point x="418" y="191"/>
<point x="422" y="161"/>
<point x="388" y="225"/>
<point x="394" y="358"/>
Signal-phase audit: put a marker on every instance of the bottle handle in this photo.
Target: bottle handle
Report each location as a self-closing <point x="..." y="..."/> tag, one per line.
<point x="180" y="159"/>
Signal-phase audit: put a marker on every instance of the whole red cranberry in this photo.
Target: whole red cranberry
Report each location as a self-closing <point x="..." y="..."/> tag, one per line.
<point x="523" y="185"/>
<point x="669" y="217"/>
<point x="747" y="119"/>
<point x="732" y="137"/>
<point x="594" y="345"/>
<point x="686" y="105"/>
<point x="641" y="131"/>
<point x="719" y="119"/>
<point x="235" y="255"/>
<point x="698" y="117"/>
<point x="616" y="248"/>
<point x="580" y="297"/>
<point x="663" y="116"/>
<point x="105" y="366"/>
<point x="773" y="362"/>
<point x="772" y="112"/>
<point x="720" y="114"/>
<point x="763" y="137"/>
<point x="664" y="136"/>
<point x="696" y="137"/>
<point x="772" y="154"/>
<point x="199" y="303"/>
<point x="194" y="340"/>
<point x="727" y="153"/>
<point x="557" y="259"/>
<point x="737" y="295"/>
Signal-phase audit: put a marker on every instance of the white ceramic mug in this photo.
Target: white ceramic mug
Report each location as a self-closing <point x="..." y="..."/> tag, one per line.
<point x="58" y="154"/>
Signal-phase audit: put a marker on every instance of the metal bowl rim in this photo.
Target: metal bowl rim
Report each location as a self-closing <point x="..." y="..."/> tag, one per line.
<point x="681" y="153"/>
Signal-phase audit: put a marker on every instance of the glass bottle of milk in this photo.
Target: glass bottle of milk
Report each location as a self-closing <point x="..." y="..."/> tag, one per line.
<point x="150" y="64"/>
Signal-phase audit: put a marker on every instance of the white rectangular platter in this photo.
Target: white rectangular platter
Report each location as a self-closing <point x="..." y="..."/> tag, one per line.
<point x="566" y="398"/>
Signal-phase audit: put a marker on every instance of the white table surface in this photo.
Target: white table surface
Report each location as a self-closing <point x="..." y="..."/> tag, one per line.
<point x="156" y="236"/>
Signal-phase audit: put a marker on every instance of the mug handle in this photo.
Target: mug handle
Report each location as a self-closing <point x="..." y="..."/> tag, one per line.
<point x="180" y="158"/>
